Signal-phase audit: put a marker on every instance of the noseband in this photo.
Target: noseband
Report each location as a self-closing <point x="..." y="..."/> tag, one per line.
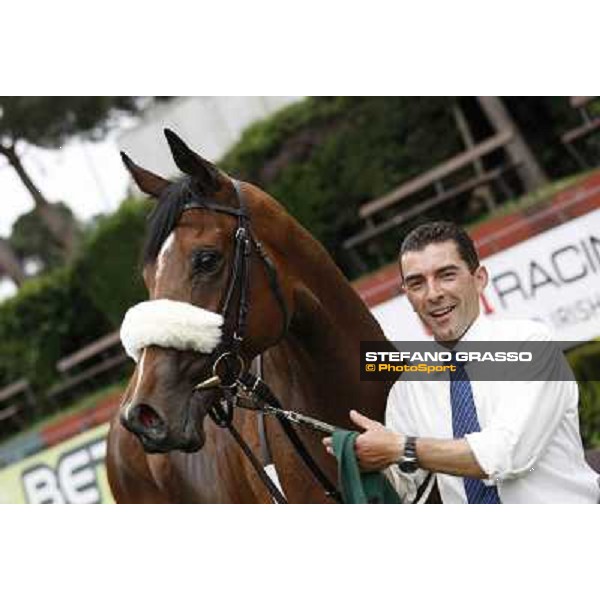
<point x="228" y="364"/>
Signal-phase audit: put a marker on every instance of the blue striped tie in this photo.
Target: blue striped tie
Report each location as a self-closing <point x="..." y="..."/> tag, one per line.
<point x="464" y="420"/>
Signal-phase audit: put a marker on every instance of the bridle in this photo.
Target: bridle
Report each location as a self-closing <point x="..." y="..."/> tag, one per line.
<point x="228" y="363"/>
<point x="239" y="387"/>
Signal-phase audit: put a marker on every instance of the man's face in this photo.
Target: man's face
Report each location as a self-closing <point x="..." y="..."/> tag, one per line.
<point x="442" y="290"/>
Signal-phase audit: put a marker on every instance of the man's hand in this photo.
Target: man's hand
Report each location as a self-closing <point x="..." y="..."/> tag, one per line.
<point x="377" y="447"/>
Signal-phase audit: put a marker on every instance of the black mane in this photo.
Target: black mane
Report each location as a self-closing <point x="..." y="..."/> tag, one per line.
<point x="164" y="217"/>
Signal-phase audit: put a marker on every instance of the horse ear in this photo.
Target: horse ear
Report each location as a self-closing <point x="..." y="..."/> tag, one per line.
<point x="193" y="164"/>
<point x="148" y="182"/>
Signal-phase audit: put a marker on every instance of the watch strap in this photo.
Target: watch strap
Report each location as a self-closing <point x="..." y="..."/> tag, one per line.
<point x="409" y="463"/>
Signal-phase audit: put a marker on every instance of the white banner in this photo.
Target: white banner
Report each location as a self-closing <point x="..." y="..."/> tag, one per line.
<point x="553" y="277"/>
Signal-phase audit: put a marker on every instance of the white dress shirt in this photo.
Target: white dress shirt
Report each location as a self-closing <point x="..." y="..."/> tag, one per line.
<point x="529" y="443"/>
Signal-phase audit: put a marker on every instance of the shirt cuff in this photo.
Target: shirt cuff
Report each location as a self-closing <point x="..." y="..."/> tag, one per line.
<point x="404" y="484"/>
<point x="490" y="453"/>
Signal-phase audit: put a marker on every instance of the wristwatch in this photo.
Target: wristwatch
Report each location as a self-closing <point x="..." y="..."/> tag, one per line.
<point x="409" y="463"/>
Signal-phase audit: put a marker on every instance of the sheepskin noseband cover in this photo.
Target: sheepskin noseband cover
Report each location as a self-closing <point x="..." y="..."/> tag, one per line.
<point x="170" y="324"/>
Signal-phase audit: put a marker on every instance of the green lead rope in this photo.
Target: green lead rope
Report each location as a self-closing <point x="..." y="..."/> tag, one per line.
<point x="357" y="487"/>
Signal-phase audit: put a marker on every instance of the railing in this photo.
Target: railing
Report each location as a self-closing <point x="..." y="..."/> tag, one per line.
<point x="588" y="125"/>
<point x="434" y="178"/>
<point x="85" y="368"/>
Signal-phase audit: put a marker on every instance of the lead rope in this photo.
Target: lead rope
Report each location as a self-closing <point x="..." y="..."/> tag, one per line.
<point x="265" y="448"/>
<point x="222" y="412"/>
<point x="259" y="388"/>
<point x="224" y="418"/>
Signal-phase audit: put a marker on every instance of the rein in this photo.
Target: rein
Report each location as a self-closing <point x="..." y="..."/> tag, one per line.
<point x="229" y="372"/>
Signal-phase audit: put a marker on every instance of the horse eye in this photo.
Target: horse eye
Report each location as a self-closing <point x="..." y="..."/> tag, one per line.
<point x="206" y="261"/>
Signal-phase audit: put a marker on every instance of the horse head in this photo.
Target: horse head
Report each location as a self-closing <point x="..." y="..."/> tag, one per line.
<point x="206" y="315"/>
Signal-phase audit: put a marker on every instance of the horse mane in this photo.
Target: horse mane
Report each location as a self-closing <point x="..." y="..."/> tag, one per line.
<point x="165" y="215"/>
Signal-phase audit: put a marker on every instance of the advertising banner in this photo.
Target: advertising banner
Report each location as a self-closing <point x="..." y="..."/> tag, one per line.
<point x="70" y="473"/>
<point x="553" y="277"/>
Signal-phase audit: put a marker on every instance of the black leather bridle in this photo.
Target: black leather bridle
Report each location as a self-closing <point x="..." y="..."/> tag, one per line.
<point x="229" y="372"/>
<point x="227" y="361"/>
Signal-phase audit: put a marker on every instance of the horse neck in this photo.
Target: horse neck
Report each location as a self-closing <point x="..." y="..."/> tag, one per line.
<point x="329" y="321"/>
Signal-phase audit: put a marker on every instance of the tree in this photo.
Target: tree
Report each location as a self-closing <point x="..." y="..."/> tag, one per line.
<point x="519" y="151"/>
<point x="48" y="122"/>
<point x="10" y="265"/>
<point x="31" y="240"/>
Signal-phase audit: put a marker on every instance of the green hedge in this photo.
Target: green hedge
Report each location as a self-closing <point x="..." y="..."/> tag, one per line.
<point x="109" y="266"/>
<point x="324" y="157"/>
<point x="50" y="317"/>
<point x="585" y="362"/>
<point x="55" y="315"/>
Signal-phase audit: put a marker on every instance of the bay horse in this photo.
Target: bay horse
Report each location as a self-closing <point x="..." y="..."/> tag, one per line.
<point x="303" y="319"/>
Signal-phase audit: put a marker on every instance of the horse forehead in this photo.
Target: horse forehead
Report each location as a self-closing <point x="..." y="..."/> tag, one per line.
<point x="187" y="232"/>
<point x="170" y="263"/>
<point x="165" y="250"/>
<point x="160" y="274"/>
<point x="166" y="247"/>
<point x="202" y="220"/>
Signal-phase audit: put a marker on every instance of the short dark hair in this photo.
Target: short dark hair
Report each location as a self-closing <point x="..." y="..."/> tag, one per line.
<point x="436" y="232"/>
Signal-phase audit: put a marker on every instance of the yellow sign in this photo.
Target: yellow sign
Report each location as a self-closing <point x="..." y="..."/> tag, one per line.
<point x="73" y="472"/>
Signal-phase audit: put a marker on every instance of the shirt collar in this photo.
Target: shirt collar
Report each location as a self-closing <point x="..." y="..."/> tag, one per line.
<point x="476" y="332"/>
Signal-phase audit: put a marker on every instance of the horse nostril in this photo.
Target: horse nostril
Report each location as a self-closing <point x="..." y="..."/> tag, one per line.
<point x="148" y="417"/>
<point x="144" y="420"/>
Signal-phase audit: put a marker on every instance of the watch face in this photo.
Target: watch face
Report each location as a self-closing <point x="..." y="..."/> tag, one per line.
<point x="408" y="466"/>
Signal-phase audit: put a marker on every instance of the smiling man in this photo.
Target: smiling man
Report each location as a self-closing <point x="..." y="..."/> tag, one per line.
<point x="487" y="442"/>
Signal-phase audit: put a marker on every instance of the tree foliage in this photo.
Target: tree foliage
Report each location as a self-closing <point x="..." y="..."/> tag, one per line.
<point x="585" y="362"/>
<point x="49" y="121"/>
<point x="58" y="313"/>
<point x="324" y="157"/>
<point x="50" y="317"/>
<point x="31" y="240"/>
<point x="109" y="265"/>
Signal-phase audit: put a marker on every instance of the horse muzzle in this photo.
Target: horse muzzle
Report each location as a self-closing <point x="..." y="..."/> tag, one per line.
<point x="151" y="429"/>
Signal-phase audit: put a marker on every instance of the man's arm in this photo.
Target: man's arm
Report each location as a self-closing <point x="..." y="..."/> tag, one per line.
<point x="453" y="457"/>
<point x="378" y="447"/>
